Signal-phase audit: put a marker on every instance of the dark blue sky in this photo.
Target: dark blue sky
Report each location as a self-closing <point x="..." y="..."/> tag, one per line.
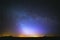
<point x="13" y="11"/>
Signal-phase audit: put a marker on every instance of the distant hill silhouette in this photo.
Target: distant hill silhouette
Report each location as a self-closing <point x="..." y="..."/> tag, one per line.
<point x="15" y="38"/>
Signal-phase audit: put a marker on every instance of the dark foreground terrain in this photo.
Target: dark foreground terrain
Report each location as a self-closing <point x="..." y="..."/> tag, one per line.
<point x="35" y="38"/>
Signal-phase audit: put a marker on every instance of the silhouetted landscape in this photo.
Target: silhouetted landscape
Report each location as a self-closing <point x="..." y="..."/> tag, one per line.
<point x="15" y="38"/>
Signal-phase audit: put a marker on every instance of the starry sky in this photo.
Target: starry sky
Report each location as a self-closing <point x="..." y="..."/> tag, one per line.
<point x="42" y="16"/>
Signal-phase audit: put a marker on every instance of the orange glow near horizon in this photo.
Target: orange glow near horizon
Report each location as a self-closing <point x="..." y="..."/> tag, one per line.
<point x="22" y="35"/>
<point x="30" y="35"/>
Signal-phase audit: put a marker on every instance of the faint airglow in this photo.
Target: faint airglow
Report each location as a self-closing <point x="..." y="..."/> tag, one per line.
<point x="5" y="34"/>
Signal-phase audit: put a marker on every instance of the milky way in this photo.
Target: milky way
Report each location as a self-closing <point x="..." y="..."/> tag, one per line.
<point x="29" y="17"/>
<point x="32" y="23"/>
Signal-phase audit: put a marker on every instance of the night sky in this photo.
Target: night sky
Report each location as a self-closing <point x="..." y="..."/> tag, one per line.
<point x="20" y="14"/>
